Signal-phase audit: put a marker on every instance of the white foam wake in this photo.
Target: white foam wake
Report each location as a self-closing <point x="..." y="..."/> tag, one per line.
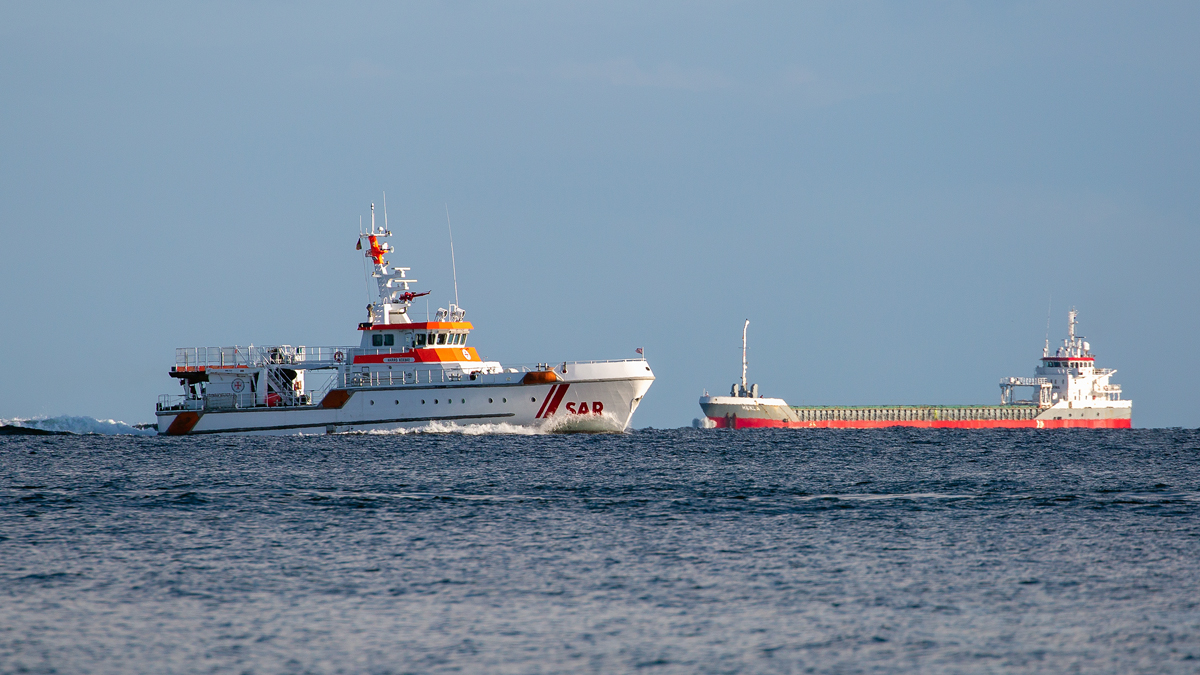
<point x="566" y="424"/>
<point x="78" y="425"/>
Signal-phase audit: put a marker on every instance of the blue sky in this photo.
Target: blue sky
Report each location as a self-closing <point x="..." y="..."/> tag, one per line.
<point x="892" y="193"/>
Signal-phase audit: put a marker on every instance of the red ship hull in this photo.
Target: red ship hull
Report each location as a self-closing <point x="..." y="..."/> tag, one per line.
<point x="757" y="423"/>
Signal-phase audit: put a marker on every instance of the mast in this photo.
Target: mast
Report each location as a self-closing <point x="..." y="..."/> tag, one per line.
<point x="453" y="267"/>
<point x="744" y="354"/>
<point x="394" y="294"/>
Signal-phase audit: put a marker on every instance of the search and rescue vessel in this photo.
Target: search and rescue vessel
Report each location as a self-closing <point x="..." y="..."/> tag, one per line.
<point x="1068" y="391"/>
<point x="402" y="374"/>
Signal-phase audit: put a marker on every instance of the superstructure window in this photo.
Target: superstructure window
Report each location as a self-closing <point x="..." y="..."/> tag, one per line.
<point x="420" y="339"/>
<point x="376" y="340"/>
<point x="389" y="340"/>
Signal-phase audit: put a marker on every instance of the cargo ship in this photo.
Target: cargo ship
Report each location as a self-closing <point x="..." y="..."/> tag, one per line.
<point x="403" y="374"/>
<point x="1067" y="391"/>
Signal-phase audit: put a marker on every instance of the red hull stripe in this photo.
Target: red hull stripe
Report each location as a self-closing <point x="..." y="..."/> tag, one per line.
<point x="558" y="397"/>
<point x="183" y="423"/>
<point x="752" y="423"/>
<point x="546" y="402"/>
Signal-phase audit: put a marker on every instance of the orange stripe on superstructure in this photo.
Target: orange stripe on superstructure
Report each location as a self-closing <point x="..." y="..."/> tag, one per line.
<point x="435" y="355"/>
<point x="421" y="326"/>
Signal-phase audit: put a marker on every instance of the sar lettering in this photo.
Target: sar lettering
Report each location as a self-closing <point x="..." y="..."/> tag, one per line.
<point x="582" y="408"/>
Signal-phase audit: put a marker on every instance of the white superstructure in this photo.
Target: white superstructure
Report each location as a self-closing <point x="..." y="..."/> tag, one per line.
<point x="1069" y="378"/>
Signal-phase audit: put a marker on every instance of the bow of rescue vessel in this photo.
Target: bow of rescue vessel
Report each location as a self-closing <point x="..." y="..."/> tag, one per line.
<point x="402" y="374"/>
<point x="1066" y="391"/>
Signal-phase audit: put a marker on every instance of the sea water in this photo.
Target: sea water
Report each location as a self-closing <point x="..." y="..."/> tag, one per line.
<point x="655" y="551"/>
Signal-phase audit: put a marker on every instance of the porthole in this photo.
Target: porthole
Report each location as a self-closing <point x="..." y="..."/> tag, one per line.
<point x="435" y="400"/>
<point x="533" y="399"/>
<point x="372" y="402"/>
<point x="490" y="401"/>
<point x="504" y="400"/>
<point x="397" y="402"/>
<point x="463" y="401"/>
<point x="422" y="401"/>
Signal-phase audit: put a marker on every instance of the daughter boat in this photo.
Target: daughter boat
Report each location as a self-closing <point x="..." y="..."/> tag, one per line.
<point x="402" y="374"/>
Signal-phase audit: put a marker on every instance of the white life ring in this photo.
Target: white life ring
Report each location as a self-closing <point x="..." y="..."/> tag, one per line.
<point x="338" y="356"/>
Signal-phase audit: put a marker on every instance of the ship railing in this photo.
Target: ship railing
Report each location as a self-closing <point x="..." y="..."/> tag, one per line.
<point x="917" y="413"/>
<point x="349" y="379"/>
<point x="1008" y="384"/>
<point x="250" y="356"/>
<point x="247" y="399"/>
<point x="1024" y="381"/>
<point x="178" y="402"/>
<point x="231" y="401"/>
<point x="606" y="361"/>
<point x="534" y="367"/>
<point x="307" y="356"/>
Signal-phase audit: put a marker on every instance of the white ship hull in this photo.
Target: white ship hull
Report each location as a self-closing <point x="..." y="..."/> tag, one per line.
<point x="568" y="404"/>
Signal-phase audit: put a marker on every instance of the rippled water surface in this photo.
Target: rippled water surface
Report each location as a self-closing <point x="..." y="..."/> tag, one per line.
<point x="673" y="551"/>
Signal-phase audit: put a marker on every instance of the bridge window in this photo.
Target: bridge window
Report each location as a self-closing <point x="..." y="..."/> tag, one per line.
<point x="420" y="339"/>
<point x="441" y="337"/>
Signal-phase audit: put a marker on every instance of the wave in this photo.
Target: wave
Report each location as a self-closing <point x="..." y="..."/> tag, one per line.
<point x="71" y="424"/>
